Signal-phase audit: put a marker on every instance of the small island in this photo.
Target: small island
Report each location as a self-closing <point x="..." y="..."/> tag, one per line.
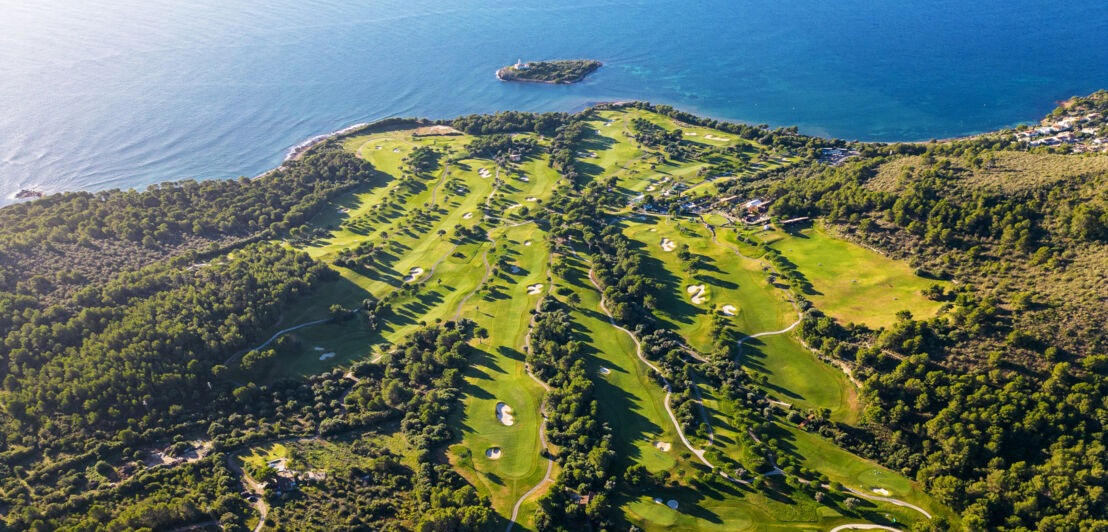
<point x="563" y="71"/>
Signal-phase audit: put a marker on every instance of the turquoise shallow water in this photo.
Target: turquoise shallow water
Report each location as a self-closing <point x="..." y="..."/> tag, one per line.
<point x="103" y="94"/>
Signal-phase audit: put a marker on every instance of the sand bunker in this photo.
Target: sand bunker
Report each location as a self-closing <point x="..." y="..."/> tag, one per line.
<point x="657" y="500"/>
<point x="651" y="188"/>
<point x="672" y="503"/>
<point x="504" y="414"/>
<point x="698" y="292"/>
<point x="413" y="274"/>
<point x="527" y="243"/>
<point x="513" y="206"/>
<point x="325" y="356"/>
<point x="713" y="137"/>
<point x="605" y="371"/>
<point x="467" y="216"/>
<point x="652" y="229"/>
<point x="396" y="150"/>
<point x="485" y="173"/>
<point x="343" y="210"/>
<point x="534" y="289"/>
<point x="524" y="178"/>
<point x="662" y="446"/>
<point x="378" y="147"/>
<point x="668" y="245"/>
<point x="729" y="310"/>
<point x="493" y="453"/>
<point x="881" y="491"/>
<point x="532" y="198"/>
<point x="690" y="134"/>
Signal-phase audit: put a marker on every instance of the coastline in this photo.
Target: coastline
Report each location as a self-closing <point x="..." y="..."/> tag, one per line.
<point x="300" y="150"/>
<point x="303" y="148"/>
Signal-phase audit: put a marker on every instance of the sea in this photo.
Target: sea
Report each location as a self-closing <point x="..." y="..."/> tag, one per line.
<point x="102" y="94"/>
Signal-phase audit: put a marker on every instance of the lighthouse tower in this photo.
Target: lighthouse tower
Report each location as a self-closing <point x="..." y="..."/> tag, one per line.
<point x="520" y="65"/>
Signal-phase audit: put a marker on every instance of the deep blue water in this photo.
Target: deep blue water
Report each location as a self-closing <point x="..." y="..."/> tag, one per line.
<point x="102" y="94"/>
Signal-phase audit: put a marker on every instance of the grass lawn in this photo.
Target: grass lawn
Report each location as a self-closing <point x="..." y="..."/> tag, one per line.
<point x="852" y="283"/>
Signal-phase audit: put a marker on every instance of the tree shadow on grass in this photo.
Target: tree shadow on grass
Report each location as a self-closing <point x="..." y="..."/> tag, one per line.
<point x="509" y="352"/>
<point x="717" y="282"/>
<point x="670" y="296"/>
<point x="754" y="357"/>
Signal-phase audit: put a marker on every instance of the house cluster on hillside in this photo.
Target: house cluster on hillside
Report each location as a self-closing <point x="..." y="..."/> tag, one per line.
<point x="835" y="156"/>
<point x="1079" y="131"/>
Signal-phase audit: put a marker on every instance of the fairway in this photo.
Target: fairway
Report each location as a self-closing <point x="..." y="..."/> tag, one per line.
<point x="852" y="283"/>
<point x="498" y="375"/>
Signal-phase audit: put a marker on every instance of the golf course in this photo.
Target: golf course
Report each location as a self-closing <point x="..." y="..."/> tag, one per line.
<point x="450" y="230"/>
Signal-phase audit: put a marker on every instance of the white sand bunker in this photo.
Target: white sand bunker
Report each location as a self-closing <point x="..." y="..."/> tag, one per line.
<point x="527" y="243"/>
<point x="504" y="414"/>
<point x="690" y="133"/>
<point x="534" y="289"/>
<point x="668" y="245"/>
<point x="524" y="178"/>
<point x="605" y="371"/>
<point x="662" y="446"/>
<point x="729" y="310"/>
<point x="698" y="292"/>
<point x="532" y="199"/>
<point x="413" y="274"/>
<point x="396" y="150"/>
<point x="378" y="147"/>
<point x="672" y="503"/>
<point x="713" y="137"/>
<point x="651" y="188"/>
<point x="325" y="356"/>
<point x="652" y="229"/>
<point x="881" y="491"/>
<point x="493" y="453"/>
<point x="467" y="216"/>
<point x="513" y="206"/>
<point x="485" y="173"/>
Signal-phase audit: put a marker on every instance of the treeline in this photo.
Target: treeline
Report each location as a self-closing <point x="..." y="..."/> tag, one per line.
<point x="153" y="499"/>
<point x="419" y="385"/>
<point x="52" y="246"/>
<point x="510" y="122"/>
<point x="572" y="424"/>
<point x="136" y="352"/>
<point x="500" y="144"/>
